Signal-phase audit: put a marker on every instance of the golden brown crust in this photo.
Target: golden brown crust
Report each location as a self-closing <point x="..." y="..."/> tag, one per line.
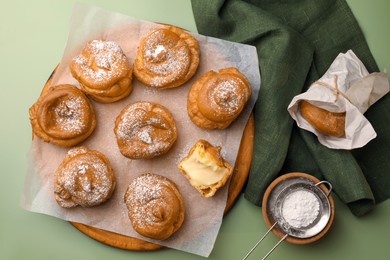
<point x="63" y="116"/>
<point x="103" y="71"/>
<point x="145" y="130"/>
<point x="155" y="206"/>
<point x="166" y="58"/>
<point x="211" y="160"/>
<point x="326" y="122"/>
<point x="85" y="177"/>
<point x="217" y="98"/>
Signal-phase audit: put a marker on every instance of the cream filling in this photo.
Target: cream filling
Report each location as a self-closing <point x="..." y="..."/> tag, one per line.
<point x="201" y="170"/>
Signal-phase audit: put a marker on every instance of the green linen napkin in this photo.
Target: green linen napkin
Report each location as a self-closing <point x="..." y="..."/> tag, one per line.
<point x="296" y="43"/>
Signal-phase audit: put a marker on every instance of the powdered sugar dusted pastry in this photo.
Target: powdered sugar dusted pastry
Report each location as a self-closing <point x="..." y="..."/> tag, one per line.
<point x="145" y="130"/>
<point x="155" y="206"/>
<point x="217" y="98"/>
<point x="84" y="178"/>
<point x="205" y="168"/>
<point x="63" y="116"/>
<point x="103" y="71"/>
<point x="166" y="58"/>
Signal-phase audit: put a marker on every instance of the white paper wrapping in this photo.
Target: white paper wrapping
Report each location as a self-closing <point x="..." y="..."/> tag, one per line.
<point x="203" y="215"/>
<point x="345" y="87"/>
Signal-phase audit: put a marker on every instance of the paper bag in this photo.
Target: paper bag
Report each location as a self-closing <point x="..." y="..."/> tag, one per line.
<point x="345" y="87"/>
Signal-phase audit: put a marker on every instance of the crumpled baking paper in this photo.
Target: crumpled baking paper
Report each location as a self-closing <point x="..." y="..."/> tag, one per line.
<point x="345" y="87"/>
<point x="203" y="216"/>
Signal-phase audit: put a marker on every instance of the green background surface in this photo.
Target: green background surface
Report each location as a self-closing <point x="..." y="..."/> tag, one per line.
<point x="32" y="38"/>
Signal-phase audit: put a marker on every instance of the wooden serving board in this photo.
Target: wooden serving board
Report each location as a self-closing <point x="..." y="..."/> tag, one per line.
<point x="238" y="180"/>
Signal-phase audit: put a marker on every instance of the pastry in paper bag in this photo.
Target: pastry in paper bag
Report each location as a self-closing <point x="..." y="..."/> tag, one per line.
<point x="344" y="93"/>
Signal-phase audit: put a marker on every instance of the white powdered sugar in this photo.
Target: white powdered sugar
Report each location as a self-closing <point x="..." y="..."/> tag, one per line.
<point x="103" y="60"/>
<point x="150" y="91"/>
<point x="86" y="179"/>
<point x="165" y="62"/>
<point x="154" y="53"/>
<point x="154" y="202"/>
<point x="144" y="135"/>
<point x="69" y="114"/>
<point x="225" y="96"/>
<point x="139" y="127"/>
<point x="136" y="123"/>
<point x="146" y="193"/>
<point x="82" y="169"/>
<point x="300" y="208"/>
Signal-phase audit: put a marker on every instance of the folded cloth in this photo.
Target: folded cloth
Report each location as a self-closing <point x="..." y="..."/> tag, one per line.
<point x="296" y="43"/>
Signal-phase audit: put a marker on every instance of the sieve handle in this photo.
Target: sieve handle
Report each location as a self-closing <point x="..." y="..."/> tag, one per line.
<point x="327" y="183"/>
<point x="261" y="239"/>
<point x="272" y="249"/>
<point x="258" y="242"/>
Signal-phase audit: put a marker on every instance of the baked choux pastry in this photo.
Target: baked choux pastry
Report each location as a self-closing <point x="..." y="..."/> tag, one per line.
<point x="326" y="122"/>
<point x="84" y="178"/>
<point x="217" y="98"/>
<point x="103" y="71"/>
<point x="155" y="206"/>
<point x="145" y="130"/>
<point x="63" y="115"/>
<point x="205" y="168"/>
<point x="166" y="58"/>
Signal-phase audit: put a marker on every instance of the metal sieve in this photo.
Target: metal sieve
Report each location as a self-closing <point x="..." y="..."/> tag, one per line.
<point x="278" y="197"/>
<point x="318" y="224"/>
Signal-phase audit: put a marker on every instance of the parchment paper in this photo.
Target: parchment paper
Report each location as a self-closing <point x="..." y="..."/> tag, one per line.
<point x="203" y="215"/>
<point x="351" y="89"/>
